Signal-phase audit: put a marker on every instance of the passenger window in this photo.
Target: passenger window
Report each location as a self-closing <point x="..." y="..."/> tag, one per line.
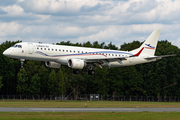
<point x="44" y="48"/>
<point x="59" y="49"/>
<point x="52" y="49"/>
<point x="112" y="54"/>
<point x="38" y="48"/>
<point x="56" y="49"/>
<point x="66" y="50"/>
<point x="70" y="50"/>
<point x="41" y="48"/>
<point x="78" y="51"/>
<point x="74" y="51"/>
<point x="48" y="49"/>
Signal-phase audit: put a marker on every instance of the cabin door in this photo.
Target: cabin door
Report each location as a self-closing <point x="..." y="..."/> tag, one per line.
<point x="31" y="50"/>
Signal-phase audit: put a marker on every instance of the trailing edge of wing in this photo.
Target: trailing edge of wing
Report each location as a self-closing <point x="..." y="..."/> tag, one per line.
<point x="160" y="56"/>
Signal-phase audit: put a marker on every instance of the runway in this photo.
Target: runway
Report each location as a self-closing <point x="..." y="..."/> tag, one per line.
<point x="8" y="109"/>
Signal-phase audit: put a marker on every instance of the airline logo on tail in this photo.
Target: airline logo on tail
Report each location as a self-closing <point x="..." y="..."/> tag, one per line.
<point x="149" y="46"/>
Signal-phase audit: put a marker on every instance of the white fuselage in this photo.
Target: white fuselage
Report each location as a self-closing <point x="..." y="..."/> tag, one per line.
<point x="61" y="54"/>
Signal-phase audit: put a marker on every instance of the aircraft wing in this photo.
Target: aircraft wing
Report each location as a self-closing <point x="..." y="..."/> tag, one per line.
<point x="109" y="59"/>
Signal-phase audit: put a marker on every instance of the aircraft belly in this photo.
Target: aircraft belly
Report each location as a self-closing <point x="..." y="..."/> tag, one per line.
<point x="62" y="61"/>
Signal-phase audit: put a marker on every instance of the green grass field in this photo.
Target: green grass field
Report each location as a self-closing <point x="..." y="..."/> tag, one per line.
<point x="91" y="116"/>
<point x="96" y="104"/>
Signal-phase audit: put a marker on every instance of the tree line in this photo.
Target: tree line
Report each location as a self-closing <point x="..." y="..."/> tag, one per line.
<point x="161" y="78"/>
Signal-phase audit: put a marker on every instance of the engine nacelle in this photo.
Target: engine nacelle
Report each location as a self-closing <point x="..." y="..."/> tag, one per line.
<point x="76" y="63"/>
<point x="51" y="64"/>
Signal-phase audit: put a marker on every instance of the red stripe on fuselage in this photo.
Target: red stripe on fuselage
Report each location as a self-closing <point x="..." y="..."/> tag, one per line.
<point x="139" y="52"/>
<point x="142" y="50"/>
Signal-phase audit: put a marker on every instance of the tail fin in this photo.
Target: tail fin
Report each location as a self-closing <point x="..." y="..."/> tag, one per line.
<point x="149" y="46"/>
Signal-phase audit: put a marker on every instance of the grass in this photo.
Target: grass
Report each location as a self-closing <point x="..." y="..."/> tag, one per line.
<point x="91" y="104"/>
<point x="91" y="116"/>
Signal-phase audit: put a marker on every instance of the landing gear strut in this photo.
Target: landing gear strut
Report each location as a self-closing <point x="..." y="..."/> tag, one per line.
<point x="22" y="62"/>
<point x="76" y="71"/>
<point x="91" y="72"/>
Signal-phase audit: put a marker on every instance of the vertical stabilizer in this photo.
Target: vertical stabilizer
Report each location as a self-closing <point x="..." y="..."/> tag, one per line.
<point x="149" y="46"/>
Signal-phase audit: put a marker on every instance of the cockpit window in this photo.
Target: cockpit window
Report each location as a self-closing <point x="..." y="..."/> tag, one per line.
<point x="17" y="46"/>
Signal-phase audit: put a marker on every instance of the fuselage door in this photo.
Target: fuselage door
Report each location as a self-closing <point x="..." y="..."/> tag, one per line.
<point x="31" y="50"/>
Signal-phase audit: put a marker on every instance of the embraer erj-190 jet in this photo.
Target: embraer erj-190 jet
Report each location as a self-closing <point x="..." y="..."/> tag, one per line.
<point x="82" y="57"/>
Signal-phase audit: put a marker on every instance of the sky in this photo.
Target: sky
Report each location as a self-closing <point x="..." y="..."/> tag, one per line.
<point x="116" y="21"/>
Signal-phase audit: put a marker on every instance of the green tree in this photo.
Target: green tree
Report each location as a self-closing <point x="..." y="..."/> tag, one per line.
<point x="87" y="44"/>
<point x="61" y="82"/>
<point x="52" y="83"/>
<point x="1" y="82"/>
<point x="22" y="82"/>
<point x="43" y="74"/>
<point x="133" y="81"/>
<point x="34" y="85"/>
<point x="115" y="81"/>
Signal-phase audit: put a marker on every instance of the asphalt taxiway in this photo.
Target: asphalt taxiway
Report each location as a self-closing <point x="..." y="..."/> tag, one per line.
<point x="9" y="109"/>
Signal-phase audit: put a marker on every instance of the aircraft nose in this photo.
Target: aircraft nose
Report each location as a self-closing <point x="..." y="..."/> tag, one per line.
<point x="6" y="52"/>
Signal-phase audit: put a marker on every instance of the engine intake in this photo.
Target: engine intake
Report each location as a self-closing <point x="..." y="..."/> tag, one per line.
<point x="51" y="64"/>
<point x="76" y="63"/>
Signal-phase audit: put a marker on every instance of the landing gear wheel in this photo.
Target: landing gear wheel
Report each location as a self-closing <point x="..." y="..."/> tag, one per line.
<point x="91" y="72"/>
<point x="22" y="62"/>
<point x="76" y="71"/>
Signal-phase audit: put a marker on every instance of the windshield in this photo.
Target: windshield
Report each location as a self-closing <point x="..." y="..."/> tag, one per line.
<point x="17" y="46"/>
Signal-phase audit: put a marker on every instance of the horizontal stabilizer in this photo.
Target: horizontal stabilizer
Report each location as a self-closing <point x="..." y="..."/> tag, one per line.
<point x="159" y="57"/>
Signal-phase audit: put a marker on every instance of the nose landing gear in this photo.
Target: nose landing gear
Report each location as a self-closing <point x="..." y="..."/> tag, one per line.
<point x="22" y="62"/>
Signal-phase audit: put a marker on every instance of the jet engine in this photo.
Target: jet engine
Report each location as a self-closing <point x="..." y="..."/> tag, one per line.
<point x="51" y="64"/>
<point x="76" y="63"/>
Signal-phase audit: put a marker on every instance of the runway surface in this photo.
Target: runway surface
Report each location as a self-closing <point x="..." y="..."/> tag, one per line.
<point x="8" y="109"/>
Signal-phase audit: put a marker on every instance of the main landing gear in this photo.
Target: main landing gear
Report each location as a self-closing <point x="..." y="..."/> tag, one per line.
<point x="90" y="72"/>
<point x="76" y="71"/>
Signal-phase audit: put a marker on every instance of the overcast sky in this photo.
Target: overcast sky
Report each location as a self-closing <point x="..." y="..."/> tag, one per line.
<point x="116" y="21"/>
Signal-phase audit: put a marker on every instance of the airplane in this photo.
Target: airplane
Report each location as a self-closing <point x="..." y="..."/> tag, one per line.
<point x="85" y="58"/>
